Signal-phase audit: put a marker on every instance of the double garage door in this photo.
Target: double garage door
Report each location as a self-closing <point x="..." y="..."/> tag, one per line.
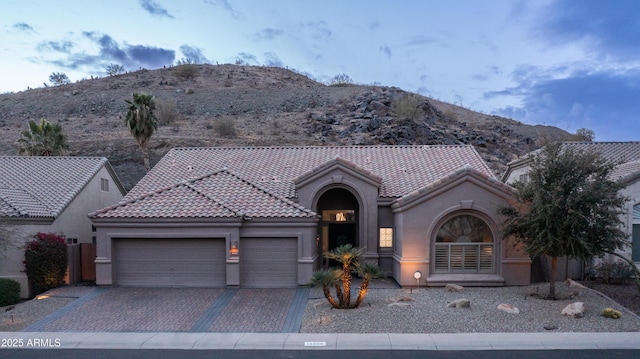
<point x="201" y="262"/>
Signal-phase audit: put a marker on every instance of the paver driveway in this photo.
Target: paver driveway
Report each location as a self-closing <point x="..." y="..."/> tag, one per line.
<point x="124" y="309"/>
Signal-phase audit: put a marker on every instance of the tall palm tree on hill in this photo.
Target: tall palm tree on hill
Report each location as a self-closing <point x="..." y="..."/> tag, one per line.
<point x="142" y="122"/>
<point x="43" y="139"/>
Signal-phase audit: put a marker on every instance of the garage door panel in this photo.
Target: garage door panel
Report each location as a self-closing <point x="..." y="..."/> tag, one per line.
<point x="269" y="262"/>
<point x="170" y="262"/>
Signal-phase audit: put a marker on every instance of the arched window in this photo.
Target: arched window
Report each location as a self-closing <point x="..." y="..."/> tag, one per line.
<point x="464" y="244"/>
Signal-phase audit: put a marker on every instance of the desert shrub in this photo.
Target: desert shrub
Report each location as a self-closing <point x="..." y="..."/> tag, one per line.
<point x="166" y="112"/>
<point x="59" y="78"/>
<point x="341" y="80"/>
<point x="115" y="69"/>
<point x="9" y="292"/>
<point x="410" y="106"/>
<point x="613" y="272"/>
<point x="186" y="71"/>
<point x="225" y="127"/>
<point x="45" y="261"/>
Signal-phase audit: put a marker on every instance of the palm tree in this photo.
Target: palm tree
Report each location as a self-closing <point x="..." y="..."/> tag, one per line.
<point x="340" y="278"/>
<point x="43" y="139"/>
<point x="142" y="122"/>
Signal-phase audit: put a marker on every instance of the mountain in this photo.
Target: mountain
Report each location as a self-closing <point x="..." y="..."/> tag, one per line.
<point x="231" y="105"/>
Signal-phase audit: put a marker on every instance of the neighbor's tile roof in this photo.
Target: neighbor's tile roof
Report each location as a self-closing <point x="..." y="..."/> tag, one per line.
<point x="219" y="195"/>
<point x="402" y="169"/>
<point x="43" y="186"/>
<point x="626" y="172"/>
<point x="625" y="153"/>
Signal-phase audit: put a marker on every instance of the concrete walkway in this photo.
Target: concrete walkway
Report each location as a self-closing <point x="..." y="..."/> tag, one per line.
<point x="295" y="341"/>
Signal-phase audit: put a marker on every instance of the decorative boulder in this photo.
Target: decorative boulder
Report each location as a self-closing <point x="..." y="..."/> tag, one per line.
<point x="573" y="284"/>
<point x="575" y="310"/>
<point x="509" y="308"/>
<point x="454" y="287"/>
<point x="459" y="303"/>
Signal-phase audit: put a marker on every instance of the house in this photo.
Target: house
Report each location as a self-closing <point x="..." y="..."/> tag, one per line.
<point x="627" y="172"/>
<point x="50" y="194"/>
<point x="262" y="217"/>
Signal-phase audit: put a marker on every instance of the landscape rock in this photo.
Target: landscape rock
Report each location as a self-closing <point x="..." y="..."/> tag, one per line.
<point x="575" y="310"/>
<point x="508" y="308"/>
<point x="573" y="284"/>
<point x="454" y="287"/>
<point x="459" y="303"/>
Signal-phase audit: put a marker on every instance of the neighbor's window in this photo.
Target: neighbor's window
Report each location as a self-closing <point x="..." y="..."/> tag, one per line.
<point x="104" y="184"/>
<point x="524" y="178"/>
<point x="386" y="237"/>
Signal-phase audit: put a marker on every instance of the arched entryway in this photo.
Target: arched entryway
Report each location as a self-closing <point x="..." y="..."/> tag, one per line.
<point x="464" y="243"/>
<point x="339" y="211"/>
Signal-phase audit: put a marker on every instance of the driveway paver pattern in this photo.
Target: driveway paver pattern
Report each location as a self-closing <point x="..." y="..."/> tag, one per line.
<point x="127" y="309"/>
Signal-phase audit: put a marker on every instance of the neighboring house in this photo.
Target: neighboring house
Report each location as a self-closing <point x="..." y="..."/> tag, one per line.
<point x="50" y="194"/>
<point x="627" y="155"/>
<point x="262" y="217"/>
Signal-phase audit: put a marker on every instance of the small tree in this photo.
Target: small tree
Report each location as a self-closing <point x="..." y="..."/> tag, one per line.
<point x="586" y="134"/>
<point x="115" y="69"/>
<point x="43" y="139"/>
<point x="569" y="207"/>
<point x="142" y="122"/>
<point x="45" y="261"/>
<point x="340" y="278"/>
<point x="341" y="80"/>
<point x="59" y="78"/>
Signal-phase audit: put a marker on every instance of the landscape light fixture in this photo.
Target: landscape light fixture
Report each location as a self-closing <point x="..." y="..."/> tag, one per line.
<point x="417" y="275"/>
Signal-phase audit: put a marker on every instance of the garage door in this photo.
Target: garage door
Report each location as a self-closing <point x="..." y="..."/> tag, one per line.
<point x="269" y="262"/>
<point x="182" y="262"/>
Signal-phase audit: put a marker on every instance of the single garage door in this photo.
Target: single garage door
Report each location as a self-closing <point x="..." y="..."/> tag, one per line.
<point x="181" y="262"/>
<point x="269" y="262"/>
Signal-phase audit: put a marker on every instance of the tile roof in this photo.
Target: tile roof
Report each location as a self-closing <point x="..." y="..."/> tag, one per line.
<point x="36" y="187"/>
<point x="463" y="171"/>
<point x="219" y="195"/>
<point x="626" y="153"/>
<point x="626" y="172"/>
<point x="402" y="169"/>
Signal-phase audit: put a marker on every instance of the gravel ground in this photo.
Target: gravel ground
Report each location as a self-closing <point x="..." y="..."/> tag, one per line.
<point x="15" y="318"/>
<point x="425" y="311"/>
<point x="413" y="311"/>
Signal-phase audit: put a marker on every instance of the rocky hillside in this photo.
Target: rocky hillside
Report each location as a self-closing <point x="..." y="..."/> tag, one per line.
<point x="229" y="105"/>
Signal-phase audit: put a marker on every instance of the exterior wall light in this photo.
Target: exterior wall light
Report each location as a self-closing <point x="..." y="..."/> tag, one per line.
<point x="234" y="251"/>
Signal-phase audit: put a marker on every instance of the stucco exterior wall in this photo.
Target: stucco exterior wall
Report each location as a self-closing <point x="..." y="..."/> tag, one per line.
<point x="232" y="230"/>
<point x="365" y="191"/>
<point x="72" y="223"/>
<point x="419" y="220"/>
<point x="632" y="192"/>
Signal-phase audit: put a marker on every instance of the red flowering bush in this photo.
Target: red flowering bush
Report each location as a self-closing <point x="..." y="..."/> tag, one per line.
<point x="45" y="261"/>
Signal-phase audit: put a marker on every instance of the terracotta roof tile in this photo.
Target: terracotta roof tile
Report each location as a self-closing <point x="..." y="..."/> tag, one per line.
<point x="218" y="195"/>
<point x="462" y="171"/>
<point x="402" y="169"/>
<point x="43" y="186"/>
<point x="625" y="153"/>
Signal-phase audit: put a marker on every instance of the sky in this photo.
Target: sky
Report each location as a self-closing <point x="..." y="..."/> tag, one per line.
<point x="565" y="63"/>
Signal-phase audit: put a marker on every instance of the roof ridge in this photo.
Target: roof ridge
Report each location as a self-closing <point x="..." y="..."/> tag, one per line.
<point x="313" y="147"/>
<point x="85" y="181"/>
<point x="267" y="192"/>
<point x="221" y="204"/>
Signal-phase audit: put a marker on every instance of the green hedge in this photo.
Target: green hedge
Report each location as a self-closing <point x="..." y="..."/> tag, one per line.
<point x="9" y="292"/>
